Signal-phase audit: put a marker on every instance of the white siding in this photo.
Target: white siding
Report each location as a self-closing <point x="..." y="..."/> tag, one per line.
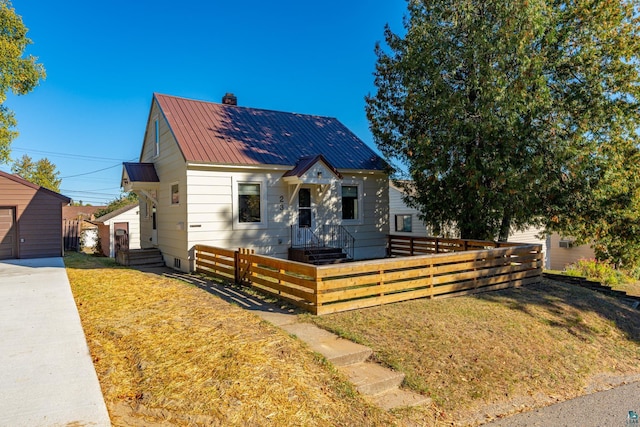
<point x="561" y="257"/>
<point x="397" y="206"/>
<point x="132" y="217"/>
<point x="171" y="169"/>
<point x="210" y="218"/>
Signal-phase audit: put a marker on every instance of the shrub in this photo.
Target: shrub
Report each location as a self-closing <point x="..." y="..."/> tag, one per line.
<point x="597" y="270"/>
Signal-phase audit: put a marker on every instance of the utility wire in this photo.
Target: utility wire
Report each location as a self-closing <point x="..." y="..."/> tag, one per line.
<point x="68" y="155"/>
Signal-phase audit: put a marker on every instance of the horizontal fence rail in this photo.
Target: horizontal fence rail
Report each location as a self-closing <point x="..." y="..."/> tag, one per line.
<point x="334" y="288"/>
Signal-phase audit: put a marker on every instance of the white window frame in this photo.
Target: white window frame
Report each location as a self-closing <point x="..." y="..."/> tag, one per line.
<point x="237" y="225"/>
<point x="156" y="137"/>
<point x="171" y="194"/>
<point x="360" y="201"/>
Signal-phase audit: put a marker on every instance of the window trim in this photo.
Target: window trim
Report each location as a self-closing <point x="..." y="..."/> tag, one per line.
<point x="171" y="202"/>
<point x="395" y="222"/>
<point x="360" y="201"/>
<point x="235" y="202"/>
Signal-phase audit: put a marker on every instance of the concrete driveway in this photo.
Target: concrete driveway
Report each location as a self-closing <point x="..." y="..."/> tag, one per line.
<point x="47" y="376"/>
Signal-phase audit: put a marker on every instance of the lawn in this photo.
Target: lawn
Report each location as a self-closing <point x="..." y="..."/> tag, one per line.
<point x="484" y="356"/>
<point x="168" y="353"/>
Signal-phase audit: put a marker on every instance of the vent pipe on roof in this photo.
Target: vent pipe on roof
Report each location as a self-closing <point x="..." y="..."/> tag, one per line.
<point x="229" y="99"/>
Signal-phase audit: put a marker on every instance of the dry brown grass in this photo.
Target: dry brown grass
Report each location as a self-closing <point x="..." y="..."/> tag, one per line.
<point x="497" y="353"/>
<point x="167" y="353"/>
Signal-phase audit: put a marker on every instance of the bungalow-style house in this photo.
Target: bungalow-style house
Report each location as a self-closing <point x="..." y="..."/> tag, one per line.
<point x="30" y="219"/>
<point x="229" y="176"/>
<point x="124" y="221"/>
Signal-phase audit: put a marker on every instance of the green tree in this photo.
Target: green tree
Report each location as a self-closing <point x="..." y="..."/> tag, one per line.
<point x="506" y="114"/>
<point x="122" y="201"/>
<point x="42" y="172"/>
<point x="18" y="74"/>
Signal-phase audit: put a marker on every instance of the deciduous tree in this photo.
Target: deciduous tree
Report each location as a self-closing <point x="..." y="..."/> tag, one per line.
<point x="18" y="74"/>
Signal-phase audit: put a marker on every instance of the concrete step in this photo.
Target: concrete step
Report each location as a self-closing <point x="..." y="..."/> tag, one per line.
<point x="371" y="378"/>
<point x="398" y="398"/>
<point x="338" y="351"/>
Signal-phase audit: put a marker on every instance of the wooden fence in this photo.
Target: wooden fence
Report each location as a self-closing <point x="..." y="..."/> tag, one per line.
<point x="71" y="231"/>
<point x="410" y="246"/>
<point x="340" y="287"/>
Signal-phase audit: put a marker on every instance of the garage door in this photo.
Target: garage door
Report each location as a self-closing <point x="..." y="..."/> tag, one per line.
<point x="7" y="234"/>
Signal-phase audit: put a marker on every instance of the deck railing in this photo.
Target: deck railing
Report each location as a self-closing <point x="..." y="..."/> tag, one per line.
<point x="326" y="236"/>
<point x="340" y="287"/>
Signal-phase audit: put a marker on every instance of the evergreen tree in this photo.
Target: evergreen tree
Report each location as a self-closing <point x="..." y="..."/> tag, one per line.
<point x="508" y="114"/>
<point x="42" y="172"/>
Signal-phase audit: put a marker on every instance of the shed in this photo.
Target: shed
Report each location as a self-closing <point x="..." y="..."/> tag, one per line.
<point x="30" y="219"/>
<point x="125" y="220"/>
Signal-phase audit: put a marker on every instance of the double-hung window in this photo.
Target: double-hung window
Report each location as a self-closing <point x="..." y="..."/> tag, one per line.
<point x="352" y="197"/>
<point x="249" y="204"/>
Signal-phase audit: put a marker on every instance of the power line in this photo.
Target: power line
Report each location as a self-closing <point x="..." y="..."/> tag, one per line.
<point x="92" y="172"/>
<point x="67" y="155"/>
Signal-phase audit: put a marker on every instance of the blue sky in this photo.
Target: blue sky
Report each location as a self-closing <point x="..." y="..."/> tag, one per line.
<point x="104" y="60"/>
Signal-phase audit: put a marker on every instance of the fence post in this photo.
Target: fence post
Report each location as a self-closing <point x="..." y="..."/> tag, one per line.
<point x="236" y="267"/>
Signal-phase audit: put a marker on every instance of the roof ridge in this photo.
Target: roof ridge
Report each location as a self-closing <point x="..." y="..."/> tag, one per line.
<point x="155" y="94"/>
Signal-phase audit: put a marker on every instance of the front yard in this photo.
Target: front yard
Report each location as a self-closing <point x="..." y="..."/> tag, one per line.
<point x="500" y="352"/>
<point x="166" y="351"/>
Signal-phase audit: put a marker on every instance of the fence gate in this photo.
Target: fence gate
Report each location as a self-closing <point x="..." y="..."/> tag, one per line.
<point x="243" y="265"/>
<point x="71" y="234"/>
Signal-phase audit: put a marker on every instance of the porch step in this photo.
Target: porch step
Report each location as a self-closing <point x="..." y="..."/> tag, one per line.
<point x="141" y="258"/>
<point x="372" y="378"/>
<point x="336" y="350"/>
<point x="375" y="382"/>
<point x="321" y="256"/>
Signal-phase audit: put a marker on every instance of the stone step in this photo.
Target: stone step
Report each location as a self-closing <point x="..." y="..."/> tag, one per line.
<point x="336" y="350"/>
<point x="398" y="398"/>
<point x="371" y="378"/>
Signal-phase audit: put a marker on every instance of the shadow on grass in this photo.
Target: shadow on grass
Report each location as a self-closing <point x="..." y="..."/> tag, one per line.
<point x="564" y="302"/>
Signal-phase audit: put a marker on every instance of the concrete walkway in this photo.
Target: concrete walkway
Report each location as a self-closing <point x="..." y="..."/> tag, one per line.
<point x="47" y="376"/>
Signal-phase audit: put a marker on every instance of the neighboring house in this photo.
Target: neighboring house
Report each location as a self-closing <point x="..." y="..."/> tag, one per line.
<point x="125" y="220"/>
<point x="563" y="251"/>
<point x="230" y="176"/>
<point x="85" y="213"/>
<point x="30" y="219"/>
<point x="405" y="222"/>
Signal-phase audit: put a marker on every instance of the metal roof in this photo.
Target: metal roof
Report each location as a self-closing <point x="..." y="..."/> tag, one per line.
<point x="141" y="172"/>
<point x="209" y="132"/>
<point x="305" y="163"/>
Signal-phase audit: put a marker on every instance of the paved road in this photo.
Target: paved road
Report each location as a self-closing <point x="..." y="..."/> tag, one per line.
<point x="608" y="408"/>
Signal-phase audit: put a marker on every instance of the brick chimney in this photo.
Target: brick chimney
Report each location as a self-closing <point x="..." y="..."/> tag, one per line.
<point x="229" y="99"/>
